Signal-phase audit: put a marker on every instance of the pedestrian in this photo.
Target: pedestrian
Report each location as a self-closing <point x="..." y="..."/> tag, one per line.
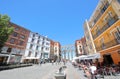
<point x="40" y="63"/>
<point x="93" y="71"/>
<point x="52" y="62"/>
<point x="64" y="62"/>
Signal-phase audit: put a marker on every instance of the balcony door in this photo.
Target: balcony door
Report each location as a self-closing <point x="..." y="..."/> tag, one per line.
<point x="107" y="59"/>
<point x="117" y="35"/>
<point x="102" y="43"/>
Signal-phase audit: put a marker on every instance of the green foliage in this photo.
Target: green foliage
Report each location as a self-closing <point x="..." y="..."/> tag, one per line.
<point x="5" y="29"/>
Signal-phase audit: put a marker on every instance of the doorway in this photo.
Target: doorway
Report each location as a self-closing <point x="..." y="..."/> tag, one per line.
<point x="3" y="60"/>
<point x="107" y="59"/>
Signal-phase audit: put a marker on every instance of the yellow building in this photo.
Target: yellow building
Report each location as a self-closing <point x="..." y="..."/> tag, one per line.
<point x="105" y="29"/>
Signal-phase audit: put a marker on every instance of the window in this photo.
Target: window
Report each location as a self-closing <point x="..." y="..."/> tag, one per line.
<point x="98" y="30"/>
<point x="22" y="36"/>
<point x="47" y="43"/>
<point x="16" y="29"/>
<point x="80" y="48"/>
<point x="55" y="50"/>
<point x="31" y="46"/>
<point x="32" y="40"/>
<point x="37" y="47"/>
<point x="42" y="48"/>
<point x="29" y="54"/>
<point x="118" y="29"/>
<point x="35" y="54"/>
<point x="118" y="1"/>
<point x="43" y="38"/>
<point x="38" y="37"/>
<point x="15" y="34"/>
<point x="110" y="14"/>
<point x="42" y="43"/>
<point x="21" y="43"/>
<point x="47" y="48"/>
<point x="38" y="41"/>
<point x="102" y="43"/>
<point x="117" y="34"/>
<point x="9" y="50"/>
<point x="12" y="40"/>
<point x="33" y="35"/>
<point x="88" y="38"/>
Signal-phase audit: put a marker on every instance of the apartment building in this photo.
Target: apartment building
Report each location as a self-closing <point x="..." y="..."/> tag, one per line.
<point x="37" y="49"/>
<point x="105" y="29"/>
<point x="81" y="48"/>
<point x="55" y="50"/>
<point x="15" y="46"/>
<point x="52" y="50"/>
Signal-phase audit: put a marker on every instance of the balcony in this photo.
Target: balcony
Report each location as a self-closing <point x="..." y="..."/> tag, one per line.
<point x="106" y="26"/>
<point x="101" y="12"/>
<point x="108" y="45"/>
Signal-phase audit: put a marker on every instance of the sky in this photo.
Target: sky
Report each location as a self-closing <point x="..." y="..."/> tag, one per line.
<point x="59" y="20"/>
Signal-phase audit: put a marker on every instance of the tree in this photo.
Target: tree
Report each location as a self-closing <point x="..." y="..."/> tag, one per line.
<point x="5" y="29"/>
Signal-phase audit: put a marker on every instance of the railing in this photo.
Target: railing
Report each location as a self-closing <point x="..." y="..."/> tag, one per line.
<point x="108" y="45"/>
<point x="106" y="26"/>
<point x="101" y="12"/>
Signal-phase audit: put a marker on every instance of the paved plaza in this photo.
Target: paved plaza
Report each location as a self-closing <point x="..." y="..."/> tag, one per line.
<point x="45" y="71"/>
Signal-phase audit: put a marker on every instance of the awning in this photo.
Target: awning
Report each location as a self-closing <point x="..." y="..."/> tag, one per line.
<point x="93" y="56"/>
<point x="85" y="57"/>
<point x="82" y="57"/>
<point x="31" y="58"/>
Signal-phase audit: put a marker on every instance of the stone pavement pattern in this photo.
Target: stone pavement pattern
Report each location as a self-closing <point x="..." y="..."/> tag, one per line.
<point x="46" y="71"/>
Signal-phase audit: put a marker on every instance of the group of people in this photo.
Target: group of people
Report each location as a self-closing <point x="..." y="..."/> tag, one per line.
<point x="57" y="62"/>
<point x="91" y="69"/>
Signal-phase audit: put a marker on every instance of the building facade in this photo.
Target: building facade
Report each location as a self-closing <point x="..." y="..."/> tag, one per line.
<point x="81" y="47"/>
<point x="37" y="49"/>
<point x="14" y="48"/>
<point x="105" y="29"/>
<point x="55" y="49"/>
<point x="52" y="50"/>
<point x="90" y="47"/>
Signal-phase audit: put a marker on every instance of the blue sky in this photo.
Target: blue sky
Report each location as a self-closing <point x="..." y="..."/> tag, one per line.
<point x="60" y="20"/>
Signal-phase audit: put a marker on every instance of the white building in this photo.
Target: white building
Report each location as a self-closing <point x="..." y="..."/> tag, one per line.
<point x="45" y="48"/>
<point x="38" y="47"/>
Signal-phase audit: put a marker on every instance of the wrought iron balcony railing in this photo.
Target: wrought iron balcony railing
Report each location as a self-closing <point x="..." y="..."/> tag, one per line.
<point x="108" y="45"/>
<point x="106" y="26"/>
<point x="101" y="12"/>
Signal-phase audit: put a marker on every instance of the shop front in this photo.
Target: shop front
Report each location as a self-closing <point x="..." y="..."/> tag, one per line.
<point x="111" y="56"/>
<point x="3" y="59"/>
